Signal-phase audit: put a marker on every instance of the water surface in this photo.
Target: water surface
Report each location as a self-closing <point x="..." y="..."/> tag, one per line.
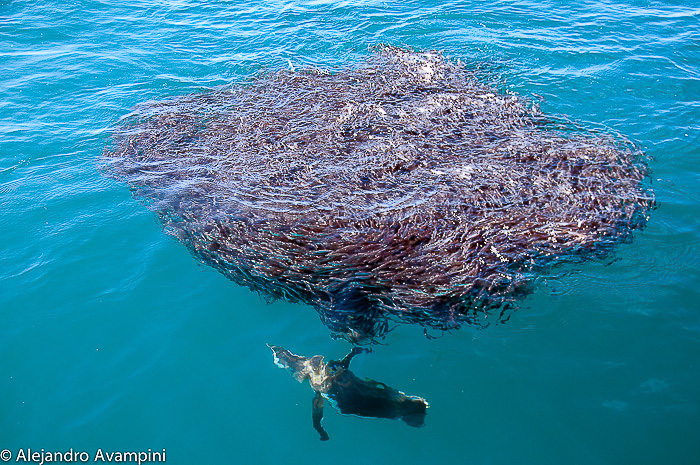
<point x="112" y="336"/>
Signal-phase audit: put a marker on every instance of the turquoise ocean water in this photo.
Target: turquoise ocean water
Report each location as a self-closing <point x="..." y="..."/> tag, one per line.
<point x="113" y="337"/>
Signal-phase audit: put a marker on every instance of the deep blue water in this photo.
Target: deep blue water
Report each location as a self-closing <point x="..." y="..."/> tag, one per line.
<point x="112" y="336"/>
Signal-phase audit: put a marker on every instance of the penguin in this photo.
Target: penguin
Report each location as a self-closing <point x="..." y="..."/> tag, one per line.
<point x="350" y="395"/>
